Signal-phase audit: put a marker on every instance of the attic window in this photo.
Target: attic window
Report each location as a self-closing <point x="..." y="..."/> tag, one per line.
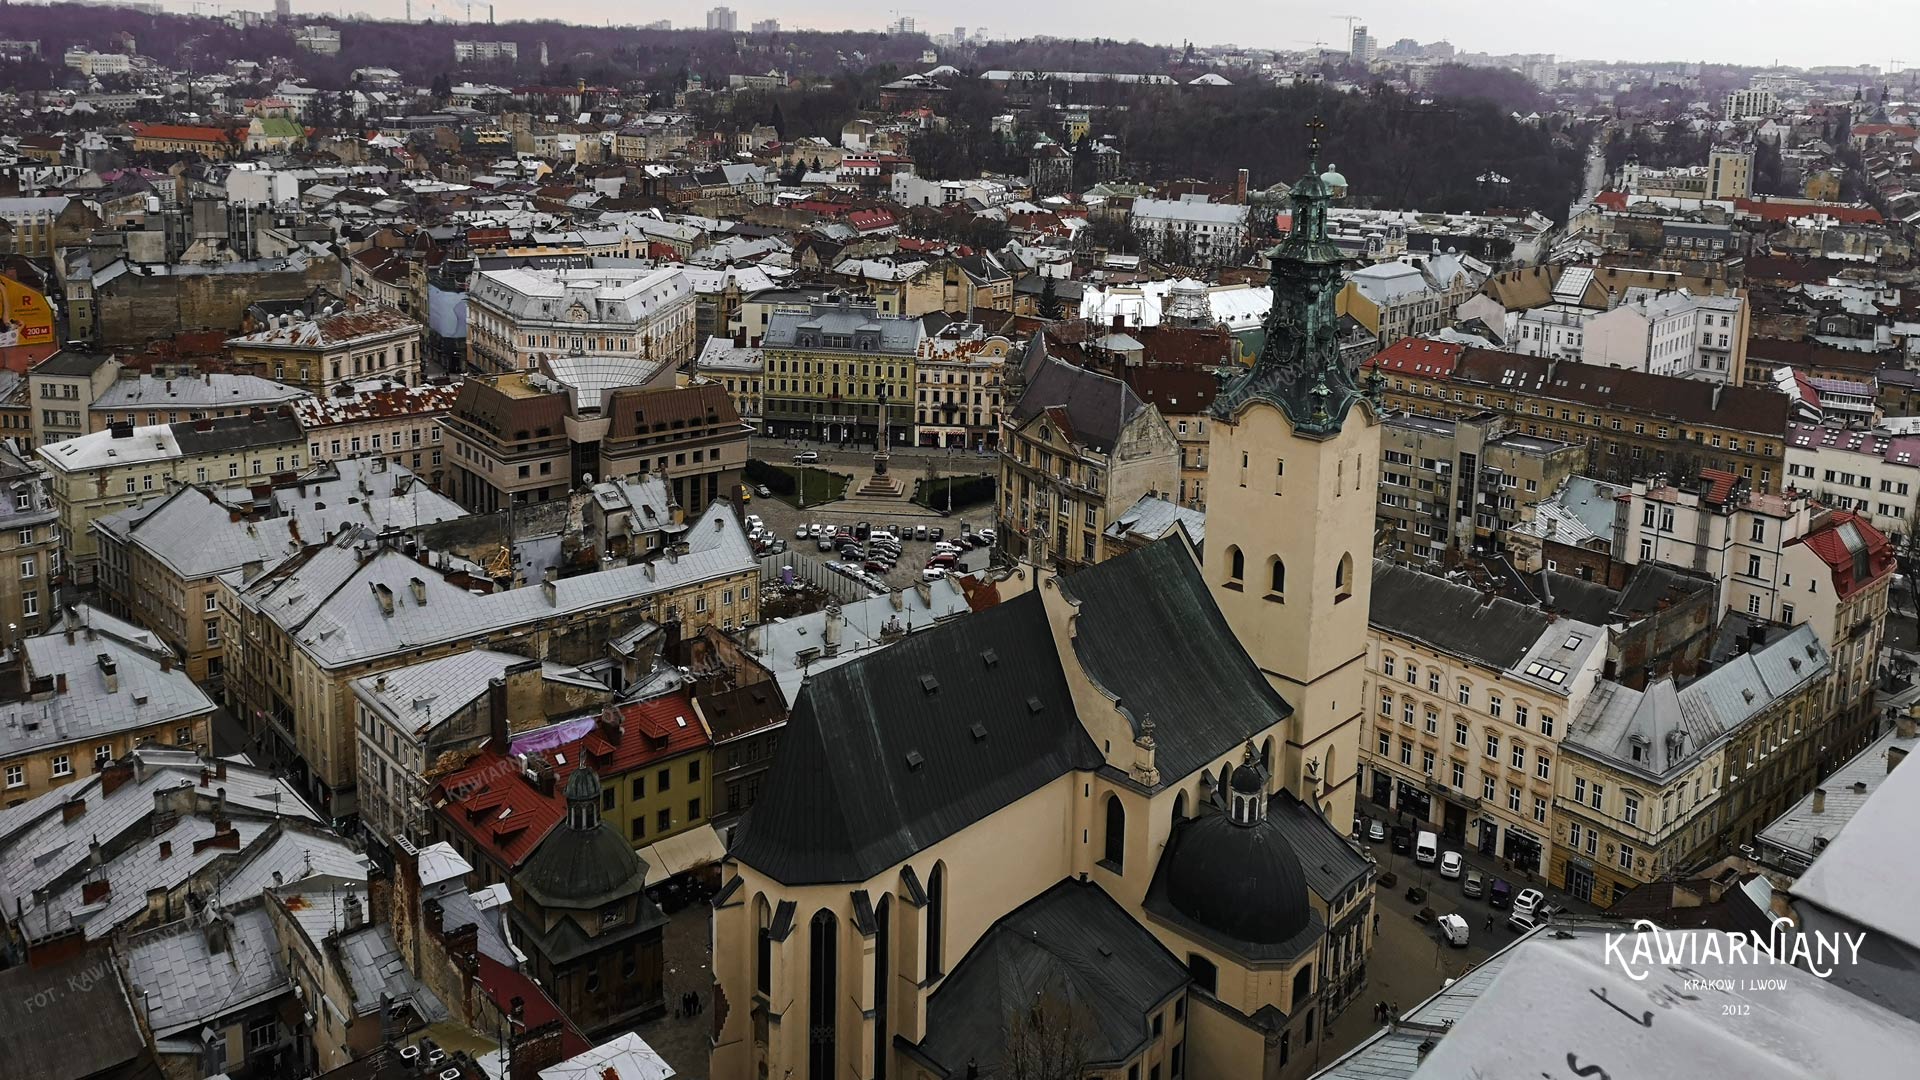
<point x="1034" y="705"/>
<point x="979" y="732"/>
<point x="990" y="657"/>
<point x="914" y="760"/>
<point x="929" y="684"/>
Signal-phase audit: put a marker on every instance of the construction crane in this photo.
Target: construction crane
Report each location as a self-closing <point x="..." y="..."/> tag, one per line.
<point x="1349" y="20"/>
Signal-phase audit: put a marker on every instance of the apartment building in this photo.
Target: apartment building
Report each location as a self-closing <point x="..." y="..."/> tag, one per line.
<point x="507" y="442"/>
<point x="1662" y="332"/>
<point x="1633" y="424"/>
<point x="959" y="384"/>
<point x="29" y="547"/>
<point x="97" y="474"/>
<point x="1654" y="783"/>
<point x="517" y="317"/>
<point x="1414" y="294"/>
<point x="689" y="437"/>
<point x="1077" y="451"/>
<point x="1190" y="231"/>
<point x="1471" y="696"/>
<point x="392" y="420"/>
<point x="321" y="353"/>
<point x="302" y="632"/>
<point x="60" y="390"/>
<point x="1839" y="576"/>
<point x="1449" y="488"/>
<point x="38" y="226"/>
<point x="1874" y="473"/>
<point x="409" y="720"/>
<point x="739" y="367"/>
<point x="85" y="692"/>
<point x="74" y="393"/>
<point x="841" y="371"/>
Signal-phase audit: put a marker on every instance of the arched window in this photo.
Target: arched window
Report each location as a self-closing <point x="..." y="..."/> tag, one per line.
<point x="936" y="908"/>
<point x="882" y="977"/>
<point x="1180" y="807"/>
<point x="1276" y="576"/>
<point x="1236" y="564"/>
<point x="1343" y="578"/>
<point x="763" y="945"/>
<point x="1115" y="857"/>
<point x="823" y="994"/>
<point x="1266" y="755"/>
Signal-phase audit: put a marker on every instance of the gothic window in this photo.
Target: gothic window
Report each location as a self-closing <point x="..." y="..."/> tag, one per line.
<point x="1343" y="578"/>
<point x="823" y="981"/>
<point x="1276" y="577"/>
<point x="1236" y="564"/>
<point x="1180" y="807"/>
<point x="882" y="977"/>
<point x="763" y="945"/>
<point x="1115" y="854"/>
<point x="936" y="910"/>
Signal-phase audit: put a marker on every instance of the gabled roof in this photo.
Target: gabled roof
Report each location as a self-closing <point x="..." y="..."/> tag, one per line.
<point x="1857" y="553"/>
<point x="1073" y="946"/>
<point x="1097" y="407"/>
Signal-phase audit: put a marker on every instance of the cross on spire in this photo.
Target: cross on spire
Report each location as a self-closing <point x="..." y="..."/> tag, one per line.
<point x="1314" y="128"/>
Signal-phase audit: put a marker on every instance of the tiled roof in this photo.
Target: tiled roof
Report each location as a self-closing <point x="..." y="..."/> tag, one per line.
<point x="500" y="809"/>
<point x="1858" y="553"/>
<point x="140" y="391"/>
<point x="1738" y="408"/>
<point x="330" y="331"/>
<point x="185" y="983"/>
<point x="188" y="133"/>
<point x="376" y="402"/>
<point x="1419" y="356"/>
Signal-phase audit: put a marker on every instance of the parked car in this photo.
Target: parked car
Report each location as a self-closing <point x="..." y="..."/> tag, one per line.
<point x="863" y="530"/>
<point x="754" y="520"/>
<point x="932" y="573"/>
<point x="944" y="548"/>
<point x="948" y="562"/>
<point x="919" y="532"/>
<point x="1521" y="921"/>
<point x="1426" y="848"/>
<point x="826" y="543"/>
<point x="1501" y="893"/>
<point x="800" y="532"/>
<point x="1450" y="864"/>
<point x="1402" y="839"/>
<point x="986" y="534"/>
<point x="936" y="533"/>
<point x="1376" y="831"/>
<point x="1473" y="884"/>
<point x="1527" y="902"/>
<point x="1454" y="929"/>
<point x="875" y="566"/>
<point x="815" y="530"/>
<point x="778" y="547"/>
<point x="806" y="457"/>
<point x="762" y="491"/>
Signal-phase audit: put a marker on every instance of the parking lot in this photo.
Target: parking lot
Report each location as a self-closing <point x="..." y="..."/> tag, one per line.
<point x="784" y="521"/>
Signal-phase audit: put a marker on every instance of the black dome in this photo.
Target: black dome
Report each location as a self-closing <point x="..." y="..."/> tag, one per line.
<point x="1246" y="778"/>
<point x="584" y="862"/>
<point x="1241" y="880"/>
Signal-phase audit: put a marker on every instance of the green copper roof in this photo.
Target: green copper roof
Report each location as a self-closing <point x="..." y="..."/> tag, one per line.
<point x="1298" y="369"/>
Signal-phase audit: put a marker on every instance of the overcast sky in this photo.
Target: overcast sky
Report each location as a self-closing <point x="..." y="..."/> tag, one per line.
<point x="1727" y="31"/>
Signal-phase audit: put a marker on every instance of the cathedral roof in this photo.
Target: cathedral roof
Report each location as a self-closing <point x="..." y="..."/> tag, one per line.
<point x="1238" y="885"/>
<point x="891" y="753"/>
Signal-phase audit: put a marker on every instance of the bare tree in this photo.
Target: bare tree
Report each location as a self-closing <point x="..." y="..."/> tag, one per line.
<point x="1051" y="1040"/>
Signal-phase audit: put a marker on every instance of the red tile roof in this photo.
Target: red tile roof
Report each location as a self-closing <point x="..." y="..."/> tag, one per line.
<point x="1782" y="209"/>
<point x="1858" y="553"/>
<point x="870" y="220"/>
<point x="186" y="132"/>
<point x="503" y="813"/>
<point x="1418" y="356"/>
<point x="1719" y="485"/>
<point x="503" y="985"/>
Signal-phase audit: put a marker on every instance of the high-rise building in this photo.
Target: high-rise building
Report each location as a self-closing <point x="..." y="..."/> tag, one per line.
<point x="902" y="25"/>
<point x="767" y="26"/>
<point x="723" y="18"/>
<point x="1750" y="105"/>
<point x="1363" y="47"/>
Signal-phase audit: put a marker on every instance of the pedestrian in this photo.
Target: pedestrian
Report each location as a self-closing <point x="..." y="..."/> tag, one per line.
<point x="1489" y="923"/>
<point x="1393" y="1009"/>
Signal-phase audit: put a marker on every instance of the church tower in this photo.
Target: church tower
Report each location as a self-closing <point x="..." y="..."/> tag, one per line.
<point x="1293" y="464"/>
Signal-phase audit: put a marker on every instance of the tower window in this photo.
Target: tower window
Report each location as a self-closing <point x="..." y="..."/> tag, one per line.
<point x="1276" y="578"/>
<point x="1343" y="578"/>
<point x="1115" y="854"/>
<point x="1236" y="567"/>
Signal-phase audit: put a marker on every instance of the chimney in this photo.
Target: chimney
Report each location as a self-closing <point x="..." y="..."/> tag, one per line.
<point x="1718" y="389"/>
<point x="205" y="423"/>
<point x="114" y="776"/>
<point x="94" y="892"/>
<point x="166" y="663"/>
<point x="166" y="849"/>
<point x="257" y="415"/>
<point x="1819" y="800"/>
<point x="1904" y="726"/>
<point x="352" y="914"/>
<point x="419" y="591"/>
<point x="72" y="810"/>
<point x="109" y="672"/>
<point x="1240" y="188"/>
<point x="497" y="733"/>
<point x="60" y="683"/>
<point x="385" y="595"/>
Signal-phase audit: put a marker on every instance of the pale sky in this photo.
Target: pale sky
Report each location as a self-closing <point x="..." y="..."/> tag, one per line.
<point x="1725" y="31"/>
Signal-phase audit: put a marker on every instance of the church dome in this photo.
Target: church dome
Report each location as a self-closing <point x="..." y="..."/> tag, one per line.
<point x="583" y="863"/>
<point x="1246" y="778"/>
<point x="1239" y="879"/>
<point x="1335" y="182"/>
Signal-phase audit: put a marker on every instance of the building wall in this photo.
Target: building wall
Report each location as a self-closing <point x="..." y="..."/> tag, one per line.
<point x="135" y="308"/>
<point x="1057" y="497"/>
<point x="29" y="775"/>
<point x="395" y="355"/>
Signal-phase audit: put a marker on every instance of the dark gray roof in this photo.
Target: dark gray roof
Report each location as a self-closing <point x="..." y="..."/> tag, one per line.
<point x="233" y="432"/>
<point x="1097" y="406"/>
<point x="1251" y="869"/>
<point x="1071" y="945"/>
<point x="1328" y="860"/>
<point x="1150" y="633"/>
<point x="878" y="762"/>
<point x="70" y="1019"/>
<point x="70" y="362"/>
<point x="881" y="756"/>
<point x="1456" y="619"/>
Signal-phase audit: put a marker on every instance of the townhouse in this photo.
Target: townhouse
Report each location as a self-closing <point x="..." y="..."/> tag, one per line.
<point x="323" y="352"/>
<point x="841" y="370"/>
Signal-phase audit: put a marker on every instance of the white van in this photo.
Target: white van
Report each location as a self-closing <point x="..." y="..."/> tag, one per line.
<point x="1426" y="848"/>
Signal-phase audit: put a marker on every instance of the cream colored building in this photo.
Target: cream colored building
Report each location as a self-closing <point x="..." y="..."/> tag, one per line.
<point x="29" y="547"/>
<point x="321" y="353"/>
<point x="299" y="634"/>
<point x="1470" y="698"/>
<point x="1077" y="450"/>
<point x="1150" y="758"/>
<point x="94" y="475"/>
<point x="518" y="317"/>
